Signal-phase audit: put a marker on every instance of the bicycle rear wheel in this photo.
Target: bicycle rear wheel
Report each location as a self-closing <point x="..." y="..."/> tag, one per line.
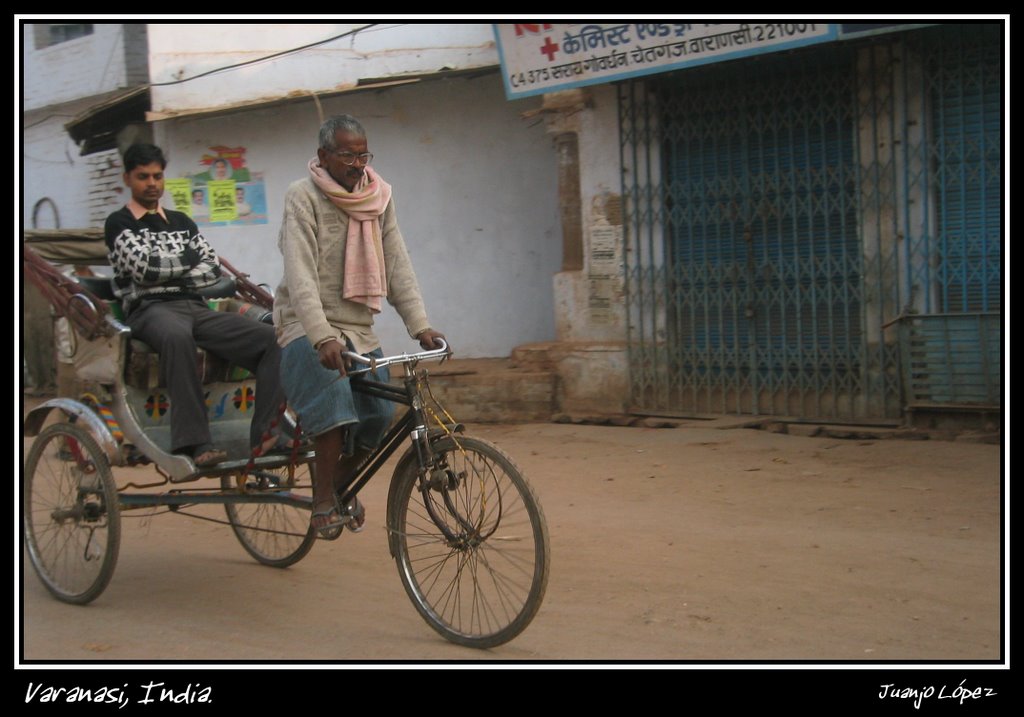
<point x="471" y="543"/>
<point x="71" y="513"/>
<point x="274" y="534"/>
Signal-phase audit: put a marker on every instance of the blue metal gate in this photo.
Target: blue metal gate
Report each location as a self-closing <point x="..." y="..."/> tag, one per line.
<point x="783" y="213"/>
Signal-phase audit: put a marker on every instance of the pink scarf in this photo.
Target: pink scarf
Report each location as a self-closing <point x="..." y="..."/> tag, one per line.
<point x="365" y="280"/>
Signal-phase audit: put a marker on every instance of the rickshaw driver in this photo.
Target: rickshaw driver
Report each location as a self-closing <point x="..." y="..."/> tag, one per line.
<point x="343" y="255"/>
<point x="160" y="262"/>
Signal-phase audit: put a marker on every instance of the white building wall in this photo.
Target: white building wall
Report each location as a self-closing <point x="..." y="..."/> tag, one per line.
<point x="183" y="52"/>
<point x="83" y="67"/>
<point x="60" y="189"/>
<point x="475" y="189"/>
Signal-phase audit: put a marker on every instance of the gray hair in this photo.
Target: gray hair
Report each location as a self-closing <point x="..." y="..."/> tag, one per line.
<point x="339" y="123"/>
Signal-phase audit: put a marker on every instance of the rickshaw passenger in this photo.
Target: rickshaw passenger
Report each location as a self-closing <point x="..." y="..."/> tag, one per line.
<point x="160" y="262"/>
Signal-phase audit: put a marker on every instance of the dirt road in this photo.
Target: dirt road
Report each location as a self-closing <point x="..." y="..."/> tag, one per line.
<point x="679" y="544"/>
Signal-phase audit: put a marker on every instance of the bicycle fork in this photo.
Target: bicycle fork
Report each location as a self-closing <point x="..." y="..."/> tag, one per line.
<point x="435" y="475"/>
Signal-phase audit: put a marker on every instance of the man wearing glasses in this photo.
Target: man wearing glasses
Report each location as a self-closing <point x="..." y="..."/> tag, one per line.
<point x="343" y="256"/>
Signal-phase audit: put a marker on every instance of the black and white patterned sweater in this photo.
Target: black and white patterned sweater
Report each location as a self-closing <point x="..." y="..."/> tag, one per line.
<point x="158" y="259"/>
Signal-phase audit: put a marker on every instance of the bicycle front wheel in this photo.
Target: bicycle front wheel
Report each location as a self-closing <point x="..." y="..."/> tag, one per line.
<point x="471" y="542"/>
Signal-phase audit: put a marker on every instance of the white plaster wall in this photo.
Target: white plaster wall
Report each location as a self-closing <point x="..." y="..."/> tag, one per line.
<point x="58" y="83"/>
<point x="82" y="67"/>
<point x="475" y="190"/>
<point x="180" y="51"/>
<point x="52" y="168"/>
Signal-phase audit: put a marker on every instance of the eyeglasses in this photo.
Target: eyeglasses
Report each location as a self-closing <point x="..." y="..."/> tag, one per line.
<point x="349" y="158"/>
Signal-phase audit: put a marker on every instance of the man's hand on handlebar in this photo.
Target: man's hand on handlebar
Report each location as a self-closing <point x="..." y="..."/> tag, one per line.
<point x="429" y="340"/>
<point x="332" y="356"/>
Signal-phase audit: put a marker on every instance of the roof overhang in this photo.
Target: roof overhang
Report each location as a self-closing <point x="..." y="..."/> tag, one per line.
<point x="96" y="129"/>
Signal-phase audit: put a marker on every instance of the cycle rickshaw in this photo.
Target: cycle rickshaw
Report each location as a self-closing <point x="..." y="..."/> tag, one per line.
<point x="464" y="526"/>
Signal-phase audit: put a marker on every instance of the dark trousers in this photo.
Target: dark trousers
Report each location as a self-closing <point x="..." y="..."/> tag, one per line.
<point x="174" y="329"/>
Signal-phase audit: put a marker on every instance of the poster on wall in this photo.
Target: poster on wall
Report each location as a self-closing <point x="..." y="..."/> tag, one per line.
<point x="179" y="190"/>
<point x="225" y="192"/>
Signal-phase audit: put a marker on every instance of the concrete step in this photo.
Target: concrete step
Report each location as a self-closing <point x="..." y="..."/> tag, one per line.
<point x="494" y="390"/>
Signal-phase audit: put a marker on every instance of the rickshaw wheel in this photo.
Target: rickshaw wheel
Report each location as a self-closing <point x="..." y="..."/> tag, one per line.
<point x="274" y="534"/>
<point x="71" y="513"/>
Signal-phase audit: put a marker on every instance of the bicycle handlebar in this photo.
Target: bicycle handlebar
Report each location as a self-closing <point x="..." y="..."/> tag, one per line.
<point x="373" y="364"/>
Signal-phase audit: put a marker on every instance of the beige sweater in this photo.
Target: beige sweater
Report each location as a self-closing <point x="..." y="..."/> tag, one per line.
<point x="308" y="302"/>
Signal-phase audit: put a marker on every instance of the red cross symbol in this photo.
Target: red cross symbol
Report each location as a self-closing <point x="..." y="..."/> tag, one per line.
<point x="549" y="49"/>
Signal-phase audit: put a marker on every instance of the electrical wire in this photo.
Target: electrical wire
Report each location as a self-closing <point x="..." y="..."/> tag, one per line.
<point x="263" y="59"/>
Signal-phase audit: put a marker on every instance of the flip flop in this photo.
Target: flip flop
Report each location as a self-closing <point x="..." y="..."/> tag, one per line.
<point x="209" y="457"/>
<point x="332" y="528"/>
<point x="280" y="445"/>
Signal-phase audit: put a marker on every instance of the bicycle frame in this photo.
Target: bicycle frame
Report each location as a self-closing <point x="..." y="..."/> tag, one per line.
<point x="412" y="424"/>
<point x="406" y="426"/>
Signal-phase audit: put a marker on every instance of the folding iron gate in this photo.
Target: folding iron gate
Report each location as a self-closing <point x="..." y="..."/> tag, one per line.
<point x="783" y="213"/>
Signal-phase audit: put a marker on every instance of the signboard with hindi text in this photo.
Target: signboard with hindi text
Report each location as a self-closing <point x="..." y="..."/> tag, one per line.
<point x="547" y="57"/>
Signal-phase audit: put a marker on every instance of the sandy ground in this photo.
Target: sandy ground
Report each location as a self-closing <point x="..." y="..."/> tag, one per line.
<point x="690" y="545"/>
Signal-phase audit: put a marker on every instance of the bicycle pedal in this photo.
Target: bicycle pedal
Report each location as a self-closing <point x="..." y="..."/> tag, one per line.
<point x="355" y="515"/>
<point x="331" y="534"/>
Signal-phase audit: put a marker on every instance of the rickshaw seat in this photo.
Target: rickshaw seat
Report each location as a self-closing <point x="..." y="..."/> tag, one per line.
<point x="143" y="366"/>
<point x="100" y="286"/>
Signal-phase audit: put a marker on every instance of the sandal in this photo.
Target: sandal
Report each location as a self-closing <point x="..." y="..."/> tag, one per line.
<point x="332" y="528"/>
<point x="209" y="456"/>
<point x="280" y="445"/>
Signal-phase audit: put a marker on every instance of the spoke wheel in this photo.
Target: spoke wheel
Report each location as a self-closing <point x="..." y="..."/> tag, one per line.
<point x="274" y="534"/>
<point x="71" y="514"/>
<point x="470" y="542"/>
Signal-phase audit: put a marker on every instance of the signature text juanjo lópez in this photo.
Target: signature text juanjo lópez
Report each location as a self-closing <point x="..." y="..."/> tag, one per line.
<point x="961" y="693"/>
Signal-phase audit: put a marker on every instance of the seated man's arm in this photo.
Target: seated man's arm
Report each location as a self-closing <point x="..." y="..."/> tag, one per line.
<point x="147" y="259"/>
<point x="206" y="268"/>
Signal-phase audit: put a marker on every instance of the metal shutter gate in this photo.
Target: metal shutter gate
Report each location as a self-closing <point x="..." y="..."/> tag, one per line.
<point x="783" y="213"/>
